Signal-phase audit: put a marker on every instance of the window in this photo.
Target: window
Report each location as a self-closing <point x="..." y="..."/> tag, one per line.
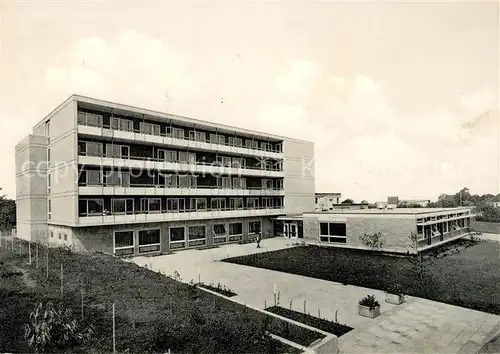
<point x="435" y="231"/>
<point x="52" y="234"/>
<point x="122" y="206"/>
<point x="48" y="156"/>
<point x="90" y="207"/>
<point x="267" y="202"/>
<point x="122" y="124"/>
<point x="197" y="232"/>
<point x="218" y="203"/>
<point x="93" y="178"/>
<point x="170" y="181"/>
<point x="59" y="235"/>
<point x="267" y="184"/>
<point x="183" y="180"/>
<point x="333" y="232"/>
<point x="224" y="161"/>
<point x="199" y="136"/>
<point x="151" y="205"/>
<point x="176" y="133"/>
<point x="149" y="128"/>
<point x="217" y="139"/>
<point x="236" y="203"/>
<point x="124" y="242"/>
<point x="224" y="182"/>
<point x="118" y="178"/>
<point x="49" y="209"/>
<point x="149" y="240"/>
<point x="265" y="146"/>
<point x="117" y="151"/>
<point x="90" y="148"/>
<point x="254" y="227"/>
<point x="47" y="130"/>
<point x="219" y="230"/>
<point x="48" y="183"/>
<point x="167" y="155"/>
<point x="198" y="203"/>
<point x="175" y="204"/>
<point x="65" y="237"/>
<point x="239" y="182"/>
<point x="238" y="162"/>
<point x="93" y="120"/>
<point x="236" y="229"/>
<point x="251" y="144"/>
<point x="235" y="141"/>
<point x="253" y="203"/>
<point x="177" y="234"/>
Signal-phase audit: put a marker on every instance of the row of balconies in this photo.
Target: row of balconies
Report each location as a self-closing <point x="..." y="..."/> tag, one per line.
<point x="169" y="215"/>
<point x="445" y="218"/>
<point x="192" y="144"/>
<point x="159" y="190"/>
<point x="443" y="237"/>
<point x="198" y="167"/>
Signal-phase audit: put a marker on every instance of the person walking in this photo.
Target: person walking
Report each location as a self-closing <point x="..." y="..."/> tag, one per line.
<point x="258" y="239"/>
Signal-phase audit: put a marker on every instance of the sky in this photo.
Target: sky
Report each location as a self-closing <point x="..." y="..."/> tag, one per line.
<point x="399" y="98"/>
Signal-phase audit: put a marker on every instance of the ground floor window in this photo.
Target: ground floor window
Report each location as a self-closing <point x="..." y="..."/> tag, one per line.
<point x="149" y="240"/>
<point x="197" y="235"/>
<point x="332" y="232"/>
<point x="254" y="227"/>
<point x="235" y="231"/>
<point x="220" y="233"/>
<point x="177" y="237"/>
<point x="124" y="242"/>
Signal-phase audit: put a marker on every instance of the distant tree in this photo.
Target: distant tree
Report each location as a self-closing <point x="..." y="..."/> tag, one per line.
<point x="364" y="202"/>
<point x="348" y="201"/>
<point x="488" y="213"/>
<point x="7" y="212"/>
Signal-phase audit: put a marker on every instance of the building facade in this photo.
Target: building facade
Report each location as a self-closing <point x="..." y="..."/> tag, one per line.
<point x="344" y="228"/>
<point x="327" y="201"/>
<point x="102" y="176"/>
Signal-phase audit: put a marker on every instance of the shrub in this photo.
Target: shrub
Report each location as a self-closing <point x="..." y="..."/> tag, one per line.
<point x="53" y="328"/>
<point x="369" y="301"/>
<point x="395" y="289"/>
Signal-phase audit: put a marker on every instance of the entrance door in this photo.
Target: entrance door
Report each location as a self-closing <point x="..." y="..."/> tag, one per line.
<point x="286" y="230"/>
<point x="293" y="230"/>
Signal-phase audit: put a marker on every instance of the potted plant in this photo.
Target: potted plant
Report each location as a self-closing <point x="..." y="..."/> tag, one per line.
<point x="394" y="295"/>
<point x="369" y="307"/>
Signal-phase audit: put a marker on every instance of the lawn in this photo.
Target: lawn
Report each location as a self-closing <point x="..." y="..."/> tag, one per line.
<point x="465" y="273"/>
<point x="154" y="313"/>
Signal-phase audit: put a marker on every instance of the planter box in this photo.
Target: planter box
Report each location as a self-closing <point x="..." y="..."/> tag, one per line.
<point x="365" y="311"/>
<point x="394" y="299"/>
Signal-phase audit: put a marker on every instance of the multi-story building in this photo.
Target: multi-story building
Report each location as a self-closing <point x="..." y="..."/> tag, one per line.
<point x="102" y="176"/>
<point x="326" y="201"/>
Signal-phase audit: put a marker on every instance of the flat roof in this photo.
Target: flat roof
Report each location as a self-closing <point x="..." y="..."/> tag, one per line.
<point x="397" y="211"/>
<point x="95" y="103"/>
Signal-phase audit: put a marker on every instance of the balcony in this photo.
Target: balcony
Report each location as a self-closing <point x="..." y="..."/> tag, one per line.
<point x="198" y="167"/>
<point x="169" y="215"/>
<point x="136" y="135"/>
<point x="159" y="190"/>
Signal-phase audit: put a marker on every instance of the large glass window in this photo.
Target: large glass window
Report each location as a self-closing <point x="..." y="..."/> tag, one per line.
<point x="224" y="182"/>
<point x="149" y="240"/>
<point x="218" y="203"/>
<point x="149" y="128"/>
<point x="197" y="232"/>
<point x="151" y="205"/>
<point x="220" y="230"/>
<point x="93" y="149"/>
<point x="124" y="242"/>
<point x="236" y="228"/>
<point x="90" y="206"/>
<point x="254" y="227"/>
<point x="122" y="206"/>
<point x="177" y="234"/>
<point x="122" y="124"/>
<point x="94" y="178"/>
<point x="333" y="232"/>
<point x="198" y="203"/>
<point x="236" y="203"/>
<point x="93" y="120"/>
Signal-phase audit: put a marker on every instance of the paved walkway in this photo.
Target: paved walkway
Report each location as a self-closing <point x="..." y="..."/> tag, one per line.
<point x="417" y="326"/>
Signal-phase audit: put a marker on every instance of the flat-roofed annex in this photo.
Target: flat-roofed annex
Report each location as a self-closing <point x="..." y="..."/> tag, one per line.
<point x="397" y="211"/>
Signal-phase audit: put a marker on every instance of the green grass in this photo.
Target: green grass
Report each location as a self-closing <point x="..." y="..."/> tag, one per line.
<point x="320" y="323"/>
<point x="469" y="278"/>
<point x="153" y="313"/>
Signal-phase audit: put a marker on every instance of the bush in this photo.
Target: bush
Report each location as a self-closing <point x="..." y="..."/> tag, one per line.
<point x="369" y="301"/>
<point x="395" y="289"/>
<point x="53" y="328"/>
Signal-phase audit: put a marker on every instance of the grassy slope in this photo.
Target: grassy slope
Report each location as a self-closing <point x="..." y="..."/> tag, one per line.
<point x="153" y="313"/>
<point x="469" y="278"/>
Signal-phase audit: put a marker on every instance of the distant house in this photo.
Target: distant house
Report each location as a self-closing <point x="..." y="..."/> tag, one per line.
<point x="327" y="201"/>
<point x="495" y="201"/>
<point x="412" y="202"/>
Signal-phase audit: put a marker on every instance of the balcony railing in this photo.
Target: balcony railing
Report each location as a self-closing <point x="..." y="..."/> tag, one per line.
<point x="187" y="163"/>
<point x="151" y="185"/>
<point x="207" y="140"/>
<point x="168" y="211"/>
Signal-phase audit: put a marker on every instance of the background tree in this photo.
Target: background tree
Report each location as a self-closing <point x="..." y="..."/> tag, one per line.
<point x="348" y="201"/>
<point x="7" y="212"/>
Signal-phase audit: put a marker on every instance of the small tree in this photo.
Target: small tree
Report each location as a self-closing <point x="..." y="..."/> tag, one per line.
<point x="52" y="329"/>
<point x="415" y="257"/>
<point x="375" y="240"/>
<point x="348" y="201"/>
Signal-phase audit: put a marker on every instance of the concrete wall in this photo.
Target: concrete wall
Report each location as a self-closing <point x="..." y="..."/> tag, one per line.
<point x="298" y="183"/>
<point x="101" y="238"/>
<point x="63" y="168"/>
<point x="31" y="187"/>
<point x="395" y="229"/>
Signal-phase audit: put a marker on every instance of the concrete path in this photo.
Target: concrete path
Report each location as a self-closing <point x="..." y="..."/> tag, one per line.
<point x="490" y="237"/>
<point x="416" y="326"/>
